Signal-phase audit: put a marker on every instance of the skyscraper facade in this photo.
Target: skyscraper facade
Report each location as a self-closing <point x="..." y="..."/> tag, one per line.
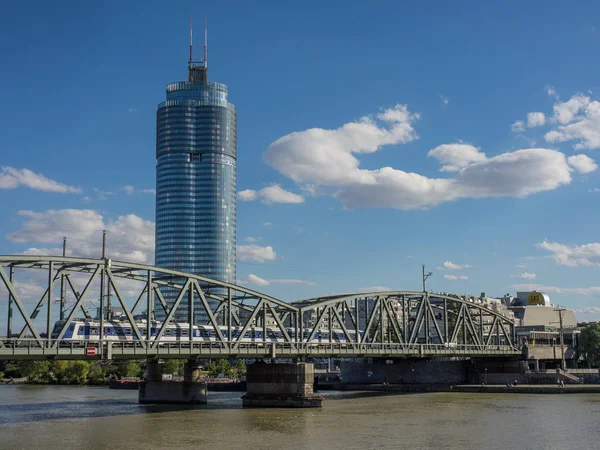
<point x="196" y="183"/>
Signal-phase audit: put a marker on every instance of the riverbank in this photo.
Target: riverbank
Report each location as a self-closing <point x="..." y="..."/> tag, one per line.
<point x="13" y="380"/>
<point x="492" y="389"/>
<point x="531" y="389"/>
<point x="378" y="387"/>
<point x="24" y="380"/>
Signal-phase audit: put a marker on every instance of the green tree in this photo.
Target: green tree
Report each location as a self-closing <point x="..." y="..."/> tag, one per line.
<point x="35" y="371"/>
<point x="239" y="368"/>
<point x="97" y="373"/>
<point x="58" y="371"/>
<point x="173" y="365"/>
<point x="589" y="343"/>
<point x="77" y="372"/>
<point x="220" y="366"/>
<point x="11" y="369"/>
<point x="130" y="369"/>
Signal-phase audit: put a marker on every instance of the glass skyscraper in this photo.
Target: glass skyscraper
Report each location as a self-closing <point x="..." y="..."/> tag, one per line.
<point x="196" y="184"/>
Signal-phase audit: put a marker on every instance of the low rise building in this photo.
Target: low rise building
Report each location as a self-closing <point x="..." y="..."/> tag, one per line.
<point x="549" y="333"/>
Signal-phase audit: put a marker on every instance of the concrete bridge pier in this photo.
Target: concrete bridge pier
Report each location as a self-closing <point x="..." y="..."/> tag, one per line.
<point x="189" y="391"/>
<point x="281" y="386"/>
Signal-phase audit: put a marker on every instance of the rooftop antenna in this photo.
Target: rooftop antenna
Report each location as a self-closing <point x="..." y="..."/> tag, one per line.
<point x="205" y="43"/>
<point x="191" y="41"/>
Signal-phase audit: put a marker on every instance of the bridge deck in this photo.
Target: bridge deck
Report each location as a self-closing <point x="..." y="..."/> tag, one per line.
<point x="30" y="350"/>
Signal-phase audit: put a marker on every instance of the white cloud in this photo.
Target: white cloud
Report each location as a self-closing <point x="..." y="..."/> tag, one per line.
<point x="450" y="265"/>
<point x="11" y="178"/>
<point x="103" y="195"/>
<point x="444" y="99"/>
<point x="592" y="290"/>
<point x="589" y="310"/>
<point x="512" y="174"/>
<point x="535" y="119"/>
<point x="290" y="281"/>
<point x="247" y="196"/>
<point x="129" y="190"/>
<point x="253" y="279"/>
<point x="594" y="190"/>
<point x="565" y="112"/>
<point x="573" y="255"/>
<point x="132" y="110"/>
<point x="129" y="238"/>
<point x="521" y="266"/>
<point x="456" y="156"/>
<point x="526" y="276"/>
<point x="584" y="127"/>
<point x="516" y="174"/>
<point x="375" y="289"/>
<point x="258" y="281"/>
<point x="456" y="277"/>
<point x="582" y="163"/>
<point x="518" y="126"/>
<point x="53" y="251"/>
<point x="253" y="239"/>
<point x="270" y="194"/>
<point x="26" y="290"/>
<point x="255" y="253"/>
<point x="327" y="156"/>
<point x="551" y="91"/>
<point x="325" y="160"/>
<point x="268" y="224"/>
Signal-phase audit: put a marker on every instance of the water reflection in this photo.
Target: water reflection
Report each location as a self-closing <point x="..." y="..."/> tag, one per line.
<point x="59" y="417"/>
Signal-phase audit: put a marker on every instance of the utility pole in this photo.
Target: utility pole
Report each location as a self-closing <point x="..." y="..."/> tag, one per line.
<point x="62" y="283"/>
<point x="102" y="278"/>
<point x="425" y="276"/>
<point x="108" y="285"/>
<point x="560" y="312"/>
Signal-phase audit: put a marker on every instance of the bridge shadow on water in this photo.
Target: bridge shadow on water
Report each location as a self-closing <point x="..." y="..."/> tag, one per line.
<point x="97" y="408"/>
<point x="60" y="410"/>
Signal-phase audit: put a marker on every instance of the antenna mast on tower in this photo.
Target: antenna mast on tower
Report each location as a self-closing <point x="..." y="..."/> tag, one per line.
<point x="205" y="43"/>
<point x="198" y="70"/>
<point x="191" y="40"/>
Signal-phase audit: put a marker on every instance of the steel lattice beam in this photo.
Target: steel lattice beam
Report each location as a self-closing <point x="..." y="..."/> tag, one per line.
<point x="397" y="323"/>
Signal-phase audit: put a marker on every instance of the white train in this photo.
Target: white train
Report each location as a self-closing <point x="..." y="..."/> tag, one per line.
<point x="121" y="331"/>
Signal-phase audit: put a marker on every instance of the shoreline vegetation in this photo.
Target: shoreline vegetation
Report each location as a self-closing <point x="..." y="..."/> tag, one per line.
<point x="98" y="373"/>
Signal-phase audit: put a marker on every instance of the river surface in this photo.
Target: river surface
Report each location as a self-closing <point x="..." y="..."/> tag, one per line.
<point x="63" y="417"/>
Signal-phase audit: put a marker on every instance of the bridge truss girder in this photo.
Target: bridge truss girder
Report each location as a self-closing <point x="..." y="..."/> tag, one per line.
<point x="103" y="275"/>
<point x="396" y="323"/>
<point x="407" y="318"/>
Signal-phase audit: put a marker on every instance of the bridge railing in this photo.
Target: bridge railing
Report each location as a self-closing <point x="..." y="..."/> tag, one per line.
<point x="24" y="348"/>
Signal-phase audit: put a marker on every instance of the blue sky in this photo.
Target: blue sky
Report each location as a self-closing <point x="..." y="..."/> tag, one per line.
<point x="487" y="117"/>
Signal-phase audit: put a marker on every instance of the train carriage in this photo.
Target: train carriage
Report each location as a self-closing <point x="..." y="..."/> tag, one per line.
<point x="122" y="331"/>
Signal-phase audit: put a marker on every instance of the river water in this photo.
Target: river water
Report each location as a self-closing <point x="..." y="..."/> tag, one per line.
<point x="63" y="417"/>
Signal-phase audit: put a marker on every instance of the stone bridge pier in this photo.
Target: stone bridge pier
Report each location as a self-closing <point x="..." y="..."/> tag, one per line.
<point x="192" y="390"/>
<point x="281" y="386"/>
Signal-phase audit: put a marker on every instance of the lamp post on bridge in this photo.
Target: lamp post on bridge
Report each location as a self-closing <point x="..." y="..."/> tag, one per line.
<point x="425" y="276"/>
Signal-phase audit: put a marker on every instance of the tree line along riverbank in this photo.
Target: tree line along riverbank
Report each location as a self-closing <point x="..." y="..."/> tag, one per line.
<point x="99" y="372"/>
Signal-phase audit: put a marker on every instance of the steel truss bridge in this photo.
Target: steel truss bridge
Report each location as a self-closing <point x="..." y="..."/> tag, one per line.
<point x="376" y="324"/>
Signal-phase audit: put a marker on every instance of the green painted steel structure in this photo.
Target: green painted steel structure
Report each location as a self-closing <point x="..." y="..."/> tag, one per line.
<point x="374" y="324"/>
